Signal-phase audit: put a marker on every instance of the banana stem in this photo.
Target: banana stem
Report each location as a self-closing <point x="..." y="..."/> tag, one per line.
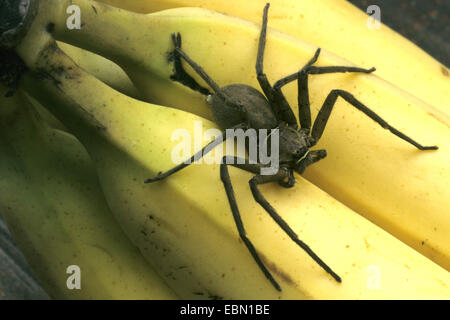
<point x="59" y="71"/>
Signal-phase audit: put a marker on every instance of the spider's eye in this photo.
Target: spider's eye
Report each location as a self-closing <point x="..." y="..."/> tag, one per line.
<point x="301" y="152"/>
<point x="310" y="141"/>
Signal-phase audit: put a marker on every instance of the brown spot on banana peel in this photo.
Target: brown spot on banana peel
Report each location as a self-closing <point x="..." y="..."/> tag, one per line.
<point x="50" y="27"/>
<point x="441" y="118"/>
<point x="54" y="72"/>
<point x="42" y="75"/>
<point x="442" y="283"/>
<point x="85" y="114"/>
<point x="160" y="223"/>
<point x="366" y="243"/>
<point x="54" y="69"/>
<point x="273" y="267"/>
<point x="444" y="71"/>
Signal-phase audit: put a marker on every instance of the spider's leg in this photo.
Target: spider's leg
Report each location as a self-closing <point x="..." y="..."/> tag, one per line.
<point x="304" y="117"/>
<point x="325" y="111"/>
<point x="285" y="111"/>
<point x="278" y="103"/>
<point x="284" y="81"/>
<point x="262" y="78"/>
<point x="304" y="111"/>
<point x="182" y="76"/>
<point x="225" y="176"/>
<point x="210" y="146"/>
<point x="257" y="195"/>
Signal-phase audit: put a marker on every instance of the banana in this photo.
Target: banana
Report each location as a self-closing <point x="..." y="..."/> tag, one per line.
<point x="376" y="174"/>
<point x="46" y="116"/>
<point x="102" y="68"/>
<point x="184" y="226"/>
<point x="53" y="205"/>
<point x="339" y="27"/>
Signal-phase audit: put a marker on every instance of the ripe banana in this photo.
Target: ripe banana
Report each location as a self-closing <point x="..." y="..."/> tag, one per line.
<point x="339" y="27"/>
<point x="46" y="116"/>
<point x="184" y="224"/>
<point x="52" y="203"/>
<point x="392" y="184"/>
<point x="102" y="68"/>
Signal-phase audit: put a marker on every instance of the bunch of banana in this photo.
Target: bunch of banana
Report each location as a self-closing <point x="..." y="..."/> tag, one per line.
<point x="52" y="203"/>
<point x="343" y="29"/>
<point x="381" y="177"/>
<point x="183" y="226"/>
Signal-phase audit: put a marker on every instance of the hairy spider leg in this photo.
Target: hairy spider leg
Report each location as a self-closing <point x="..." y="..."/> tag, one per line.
<point x="277" y="101"/>
<point x="294" y="76"/>
<point x="206" y="149"/>
<point x="304" y="111"/>
<point x="259" y="198"/>
<point x="306" y="117"/>
<point x="225" y="177"/>
<point x="257" y="195"/>
<point x="182" y="76"/>
<point x="327" y="107"/>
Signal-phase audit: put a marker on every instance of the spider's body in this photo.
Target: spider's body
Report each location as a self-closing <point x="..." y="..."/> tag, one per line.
<point x="239" y="103"/>
<point x="239" y="106"/>
<point x="248" y="105"/>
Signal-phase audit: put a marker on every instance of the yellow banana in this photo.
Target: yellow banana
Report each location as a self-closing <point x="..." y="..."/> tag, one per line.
<point x="184" y="224"/>
<point x="52" y="203"/>
<point x="339" y="27"/>
<point x="46" y="116"/>
<point x="375" y="173"/>
<point x="102" y="68"/>
<point x="105" y="70"/>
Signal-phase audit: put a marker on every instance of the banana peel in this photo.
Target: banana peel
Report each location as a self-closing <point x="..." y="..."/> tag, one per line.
<point x="52" y="203"/>
<point x="339" y="27"/>
<point x="183" y="225"/>
<point x="373" y="172"/>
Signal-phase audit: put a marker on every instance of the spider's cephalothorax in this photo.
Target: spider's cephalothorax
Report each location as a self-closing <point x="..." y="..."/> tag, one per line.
<point x="239" y="103"/>
<point x="240" y="106"/>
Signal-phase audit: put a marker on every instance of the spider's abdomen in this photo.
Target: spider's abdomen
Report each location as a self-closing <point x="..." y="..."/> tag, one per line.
<point x="258" y="113"/>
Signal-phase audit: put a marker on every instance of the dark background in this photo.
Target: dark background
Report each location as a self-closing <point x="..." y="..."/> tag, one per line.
<point x="425" y="22"/>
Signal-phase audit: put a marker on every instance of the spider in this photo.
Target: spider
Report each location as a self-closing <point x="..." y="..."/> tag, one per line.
<point x="239" y="106"/>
